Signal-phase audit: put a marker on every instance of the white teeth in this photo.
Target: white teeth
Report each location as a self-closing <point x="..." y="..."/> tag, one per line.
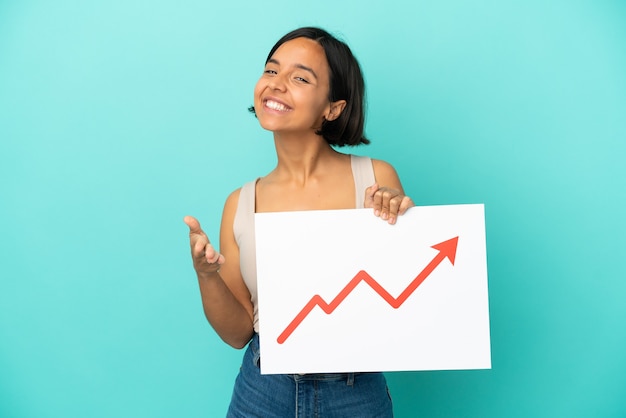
<point x="276" y="106"/>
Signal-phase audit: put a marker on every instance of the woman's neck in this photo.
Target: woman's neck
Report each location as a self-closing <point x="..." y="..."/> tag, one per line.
<point x="301" y="156"/>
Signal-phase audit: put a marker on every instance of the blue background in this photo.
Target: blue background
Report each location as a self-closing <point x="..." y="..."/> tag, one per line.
<point x="117" y="118"/>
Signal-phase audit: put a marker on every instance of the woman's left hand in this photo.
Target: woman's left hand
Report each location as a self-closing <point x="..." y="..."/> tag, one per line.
<point x="388" y="203"/>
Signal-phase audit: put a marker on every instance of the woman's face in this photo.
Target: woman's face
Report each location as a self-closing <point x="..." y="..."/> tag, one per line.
<point x="292" y="94"/>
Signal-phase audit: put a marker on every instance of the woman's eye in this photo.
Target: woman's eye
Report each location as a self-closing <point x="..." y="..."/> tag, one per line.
<point x="302" y="80"/>
<point x="273" y="72"/>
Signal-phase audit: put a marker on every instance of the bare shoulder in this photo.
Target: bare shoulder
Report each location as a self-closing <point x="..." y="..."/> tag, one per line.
<point x="232" y="200"/>
<point x="386" y="175"/>
<point x="230" y="209"/>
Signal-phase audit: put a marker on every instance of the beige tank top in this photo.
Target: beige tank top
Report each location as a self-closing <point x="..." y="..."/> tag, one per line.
<point x="243" y="225"/>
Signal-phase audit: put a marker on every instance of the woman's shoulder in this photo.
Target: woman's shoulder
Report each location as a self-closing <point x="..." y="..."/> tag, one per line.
<point x="233" y="197"/>
<point x="231" y="207"/>
<point x="245" y="194"/>
<point x="383" y="168"/>
<point x="385" y="173"/>
<point x="376" y="163"/>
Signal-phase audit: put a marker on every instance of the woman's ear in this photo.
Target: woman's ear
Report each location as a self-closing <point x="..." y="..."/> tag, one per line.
<point x="335" y="109"/>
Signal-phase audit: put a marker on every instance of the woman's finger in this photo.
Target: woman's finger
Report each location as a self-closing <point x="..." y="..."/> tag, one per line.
<point x="211" y="255"/>
<point x="394" y="206"/>
<point x="406" y="203"/>
<point x="379" y="203"/>
<point x="193" y="224"/>
<point x="369" y="196"/>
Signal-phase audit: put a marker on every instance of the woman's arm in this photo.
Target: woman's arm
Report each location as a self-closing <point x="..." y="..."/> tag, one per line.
<point x="225" y="297"/>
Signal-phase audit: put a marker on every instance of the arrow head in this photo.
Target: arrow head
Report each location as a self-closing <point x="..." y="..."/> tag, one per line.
<point x="447" y="248"/>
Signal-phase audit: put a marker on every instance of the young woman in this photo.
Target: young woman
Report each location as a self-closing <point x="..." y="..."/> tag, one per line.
<point x="311" y="97"/>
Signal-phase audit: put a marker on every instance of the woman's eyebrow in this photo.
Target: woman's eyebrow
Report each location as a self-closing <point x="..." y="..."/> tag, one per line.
<point x="301" y="66"/>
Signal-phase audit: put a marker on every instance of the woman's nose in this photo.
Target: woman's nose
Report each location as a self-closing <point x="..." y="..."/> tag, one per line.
<point x="277" y="83"/>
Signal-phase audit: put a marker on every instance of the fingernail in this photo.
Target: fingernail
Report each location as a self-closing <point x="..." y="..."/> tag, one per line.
<point x="376" y="213"/>
<point x="385" y="215"/>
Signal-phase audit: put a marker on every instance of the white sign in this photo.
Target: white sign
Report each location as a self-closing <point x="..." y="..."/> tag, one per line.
<point x="343" y="291"/>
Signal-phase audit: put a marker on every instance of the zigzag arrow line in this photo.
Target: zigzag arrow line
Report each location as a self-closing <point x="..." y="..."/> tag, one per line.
<point x="445" y="248"/>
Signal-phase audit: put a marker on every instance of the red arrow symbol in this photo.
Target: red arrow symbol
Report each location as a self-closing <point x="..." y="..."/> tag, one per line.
<point x="446" y="249"/>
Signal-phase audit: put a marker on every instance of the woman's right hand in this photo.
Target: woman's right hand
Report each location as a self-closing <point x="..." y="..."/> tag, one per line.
<point x="206" y="259"/>
<point x="388" y="203"/>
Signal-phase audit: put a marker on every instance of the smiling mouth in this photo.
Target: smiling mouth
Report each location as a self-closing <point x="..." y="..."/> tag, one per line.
<point x="271" y="104"/>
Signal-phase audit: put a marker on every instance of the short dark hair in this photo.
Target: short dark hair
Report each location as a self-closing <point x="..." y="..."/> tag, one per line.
<point x="346" y="83"/>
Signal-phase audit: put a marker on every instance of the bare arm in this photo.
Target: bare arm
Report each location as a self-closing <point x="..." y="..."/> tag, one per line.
<point x="387" y="196"/>
<point x="225" y="297"/>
